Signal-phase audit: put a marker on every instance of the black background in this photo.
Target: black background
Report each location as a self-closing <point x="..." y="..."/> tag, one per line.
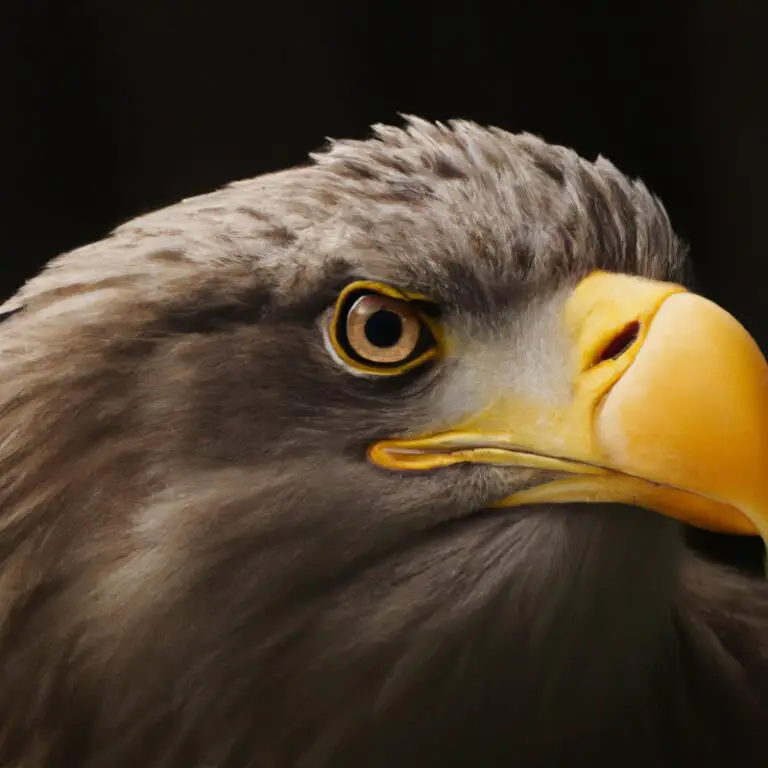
<point x="113" y="108"/>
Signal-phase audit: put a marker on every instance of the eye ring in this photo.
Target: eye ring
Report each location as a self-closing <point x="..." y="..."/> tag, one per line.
<point x="380" y="331"/>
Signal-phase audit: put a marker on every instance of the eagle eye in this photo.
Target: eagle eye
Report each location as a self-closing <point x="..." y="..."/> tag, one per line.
<point x="378" y="330"/>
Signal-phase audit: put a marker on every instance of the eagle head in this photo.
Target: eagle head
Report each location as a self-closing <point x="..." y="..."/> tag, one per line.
<point x="380" y="461"/>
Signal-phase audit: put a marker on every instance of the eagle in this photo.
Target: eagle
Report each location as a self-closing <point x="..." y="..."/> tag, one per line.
<point x="384" y="460"/>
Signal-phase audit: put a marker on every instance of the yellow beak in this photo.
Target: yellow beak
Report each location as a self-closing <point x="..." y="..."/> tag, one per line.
<point x="668" y="411"/>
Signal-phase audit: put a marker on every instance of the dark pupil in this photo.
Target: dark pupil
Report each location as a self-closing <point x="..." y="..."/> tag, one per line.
<point x="384" y="328"/>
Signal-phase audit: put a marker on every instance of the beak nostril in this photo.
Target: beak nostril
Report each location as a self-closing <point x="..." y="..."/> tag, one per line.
<point x="619" y="344"/>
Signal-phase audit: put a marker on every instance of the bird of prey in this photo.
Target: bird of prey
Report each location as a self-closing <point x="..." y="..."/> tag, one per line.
<point x="382" y="461"/>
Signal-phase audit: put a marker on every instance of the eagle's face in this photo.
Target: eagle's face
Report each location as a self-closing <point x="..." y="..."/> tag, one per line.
<point x="300" y="470"/>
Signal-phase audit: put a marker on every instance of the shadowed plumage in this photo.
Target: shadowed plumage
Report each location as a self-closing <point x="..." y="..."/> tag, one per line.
<point x="199" y="564"/>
